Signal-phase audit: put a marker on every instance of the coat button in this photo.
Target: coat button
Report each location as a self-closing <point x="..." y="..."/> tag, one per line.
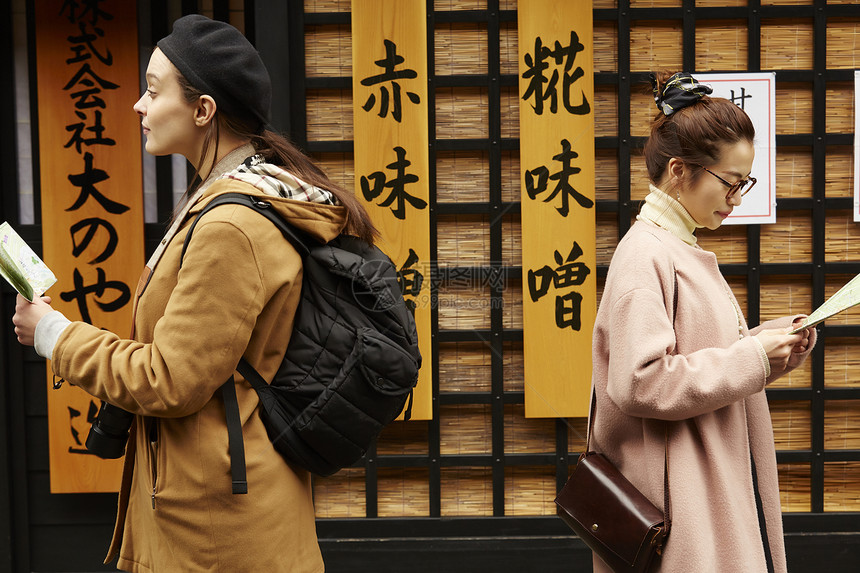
<point x="594" y="527"/>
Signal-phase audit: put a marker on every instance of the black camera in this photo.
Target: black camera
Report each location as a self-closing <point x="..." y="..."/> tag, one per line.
<point x="109" y="432"/>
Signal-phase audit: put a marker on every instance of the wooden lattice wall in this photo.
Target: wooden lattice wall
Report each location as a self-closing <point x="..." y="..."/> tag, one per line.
<point x="480" y="459"/>
<point x="481" y="456"/>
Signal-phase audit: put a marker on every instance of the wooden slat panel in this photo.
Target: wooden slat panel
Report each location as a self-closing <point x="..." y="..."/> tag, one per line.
<point x="842" y="45"/>
<point x="329" y="116"/>
<point x="786" y="43"/>
<point x="463" y="240"/>
<point x="842" y="426"/>
<point x="530" y="490"/>
<point x="842" y="363"/>
<point x="729" y="243"/>
<point x="789" y="240"/>
<point x="840" y="106"/>
<point x="341" y="495"/>
<point x="465" y="429"/>
<point x="527" y="435"/>
<point x="514" y="369"/>
<point x="841" y="491"/>
<point x="467" y="492"/>
<point x="839" y="171"/>
<point x="464" y="367"/>
<point x="461" y="113"/>
<point x="793" y="108"/>
<point x="403" y="438"/>
<point x="461" y="49"/>
<point x="462" y="176"/>
<point x="792" y="428"/>
<point x="721" y="45"/>
<point x="403" y="492"/>
<point x="512" y="312"/>
<point x="794" y="487"/>
<point x="793" y="168"/>
<point x="843" y="237"/>
<point x="328" y="51"/>
<point x="655" y="41"/>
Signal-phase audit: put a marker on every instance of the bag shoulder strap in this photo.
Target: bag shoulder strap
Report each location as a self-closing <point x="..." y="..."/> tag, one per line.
<point x="236" y="445"/>
<point x="235" y="442"/>
<point x="299" y="241"/>
<point x="666" y="510"/>
<point x="667" y="521"/>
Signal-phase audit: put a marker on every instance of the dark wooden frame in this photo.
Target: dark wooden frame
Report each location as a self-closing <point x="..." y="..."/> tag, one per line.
<point x="44" y="532"/>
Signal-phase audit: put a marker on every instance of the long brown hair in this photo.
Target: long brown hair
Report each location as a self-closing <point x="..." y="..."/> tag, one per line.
<point x="277" y="149"/>
<point x="695" y="133"/>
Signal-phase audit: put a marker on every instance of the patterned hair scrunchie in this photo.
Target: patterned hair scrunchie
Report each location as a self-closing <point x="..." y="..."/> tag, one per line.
<point x="681" y="90"/>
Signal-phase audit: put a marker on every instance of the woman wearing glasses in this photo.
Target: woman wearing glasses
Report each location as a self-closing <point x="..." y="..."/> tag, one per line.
<point x="676" y="369"/>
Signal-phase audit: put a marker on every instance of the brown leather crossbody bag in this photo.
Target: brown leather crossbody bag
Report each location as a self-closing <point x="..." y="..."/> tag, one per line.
<point x="614" y="518"/>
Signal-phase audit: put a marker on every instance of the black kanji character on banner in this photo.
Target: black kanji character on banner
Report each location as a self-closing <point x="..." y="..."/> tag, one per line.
<point x="90" y="7"/>
<point x="92" y="413"/>
<point x="77" y="130"/>
<point x="87" y="182"/>
<point x="543" y="88"/>
<point x="536" y="181"/>
<point x="568" y="273"/>
<point x="397" y="186"/>
<point x="391" y="61"/>
<point x="80" y="293"/>
<point x="410" y="280"/>
<point x="739" y="100"/>
<point x="90" y="227"/>
<point x="82" y="46"/>
<point x="94" y="84"/>
<point x="568" y="311"/>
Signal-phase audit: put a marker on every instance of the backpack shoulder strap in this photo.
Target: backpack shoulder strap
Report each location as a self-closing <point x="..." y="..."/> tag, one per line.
<point x="228" y="389"/>
<point x="295" y="237"/>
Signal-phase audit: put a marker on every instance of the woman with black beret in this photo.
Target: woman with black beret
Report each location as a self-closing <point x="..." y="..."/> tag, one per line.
<point x="207" y="97"/>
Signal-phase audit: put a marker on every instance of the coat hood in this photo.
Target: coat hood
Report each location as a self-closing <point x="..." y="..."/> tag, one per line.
<point x="311" y="209"/>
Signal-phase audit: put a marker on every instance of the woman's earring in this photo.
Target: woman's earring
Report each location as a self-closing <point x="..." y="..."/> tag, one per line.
<point x="678" y="194"/>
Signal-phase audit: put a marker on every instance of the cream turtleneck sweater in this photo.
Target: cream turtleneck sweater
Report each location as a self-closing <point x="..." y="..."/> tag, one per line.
<point x="662" y="210"/>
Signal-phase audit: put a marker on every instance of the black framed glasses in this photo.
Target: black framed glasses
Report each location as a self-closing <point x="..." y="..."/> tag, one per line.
<point x="743" y="186"/>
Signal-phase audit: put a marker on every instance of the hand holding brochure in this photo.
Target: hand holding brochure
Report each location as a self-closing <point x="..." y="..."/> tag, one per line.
<point x="845" y="298"/>
<point x="21" y="267"/>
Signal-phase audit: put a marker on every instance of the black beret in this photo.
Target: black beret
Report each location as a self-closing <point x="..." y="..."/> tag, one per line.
<point x="218" y="60"/>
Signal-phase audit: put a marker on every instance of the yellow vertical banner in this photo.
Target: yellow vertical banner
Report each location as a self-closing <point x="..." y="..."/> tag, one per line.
<point x="389" y="91"/>
<point x="91" y="197"/>
<point x="556" y="90"/>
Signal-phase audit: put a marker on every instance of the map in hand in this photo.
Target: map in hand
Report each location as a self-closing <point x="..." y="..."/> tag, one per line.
<point x="21" y="267"/>
<point x="845" y="298"/>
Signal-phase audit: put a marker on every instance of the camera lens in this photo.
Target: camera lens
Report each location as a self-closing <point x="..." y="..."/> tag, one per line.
<point x="109" y="432"/>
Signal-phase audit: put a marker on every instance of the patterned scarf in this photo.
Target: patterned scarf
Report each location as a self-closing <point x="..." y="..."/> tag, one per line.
<point x="277" y="181"/>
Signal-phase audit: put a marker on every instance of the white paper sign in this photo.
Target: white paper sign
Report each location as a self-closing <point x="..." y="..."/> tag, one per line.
<point x="856" y="145"/>
<point x="755" y="93"/>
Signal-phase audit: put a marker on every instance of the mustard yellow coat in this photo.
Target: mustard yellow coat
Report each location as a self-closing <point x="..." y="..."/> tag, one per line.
<point x="235" y="295"/>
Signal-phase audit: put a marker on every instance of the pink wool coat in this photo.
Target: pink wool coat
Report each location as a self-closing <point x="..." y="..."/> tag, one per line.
<point x="667" y="355"/>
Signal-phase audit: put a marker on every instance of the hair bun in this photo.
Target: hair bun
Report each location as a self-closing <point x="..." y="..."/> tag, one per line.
<point x="679" y="91"/>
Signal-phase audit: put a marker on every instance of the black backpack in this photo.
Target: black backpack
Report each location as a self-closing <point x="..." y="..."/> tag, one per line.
<point x="351" y="363"/>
